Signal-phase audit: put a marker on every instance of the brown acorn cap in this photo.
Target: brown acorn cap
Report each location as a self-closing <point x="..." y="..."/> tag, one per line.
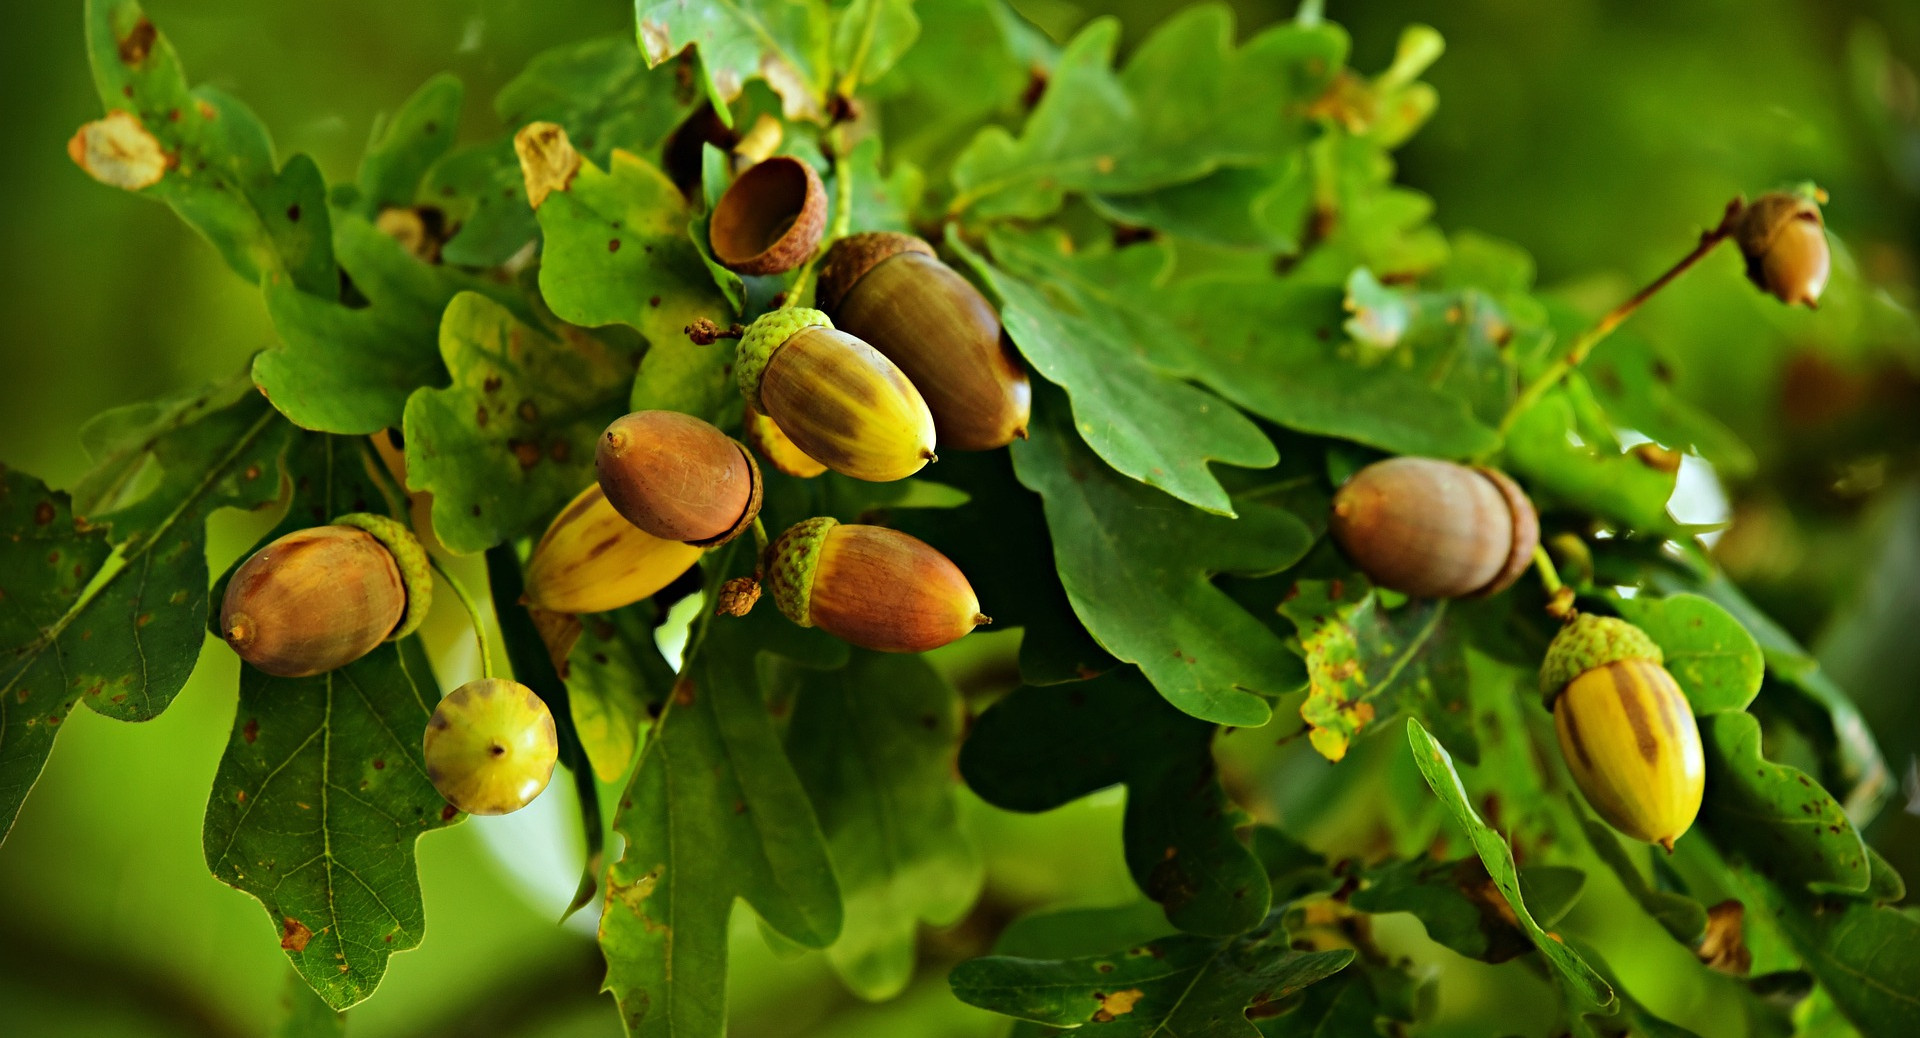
<point x="851" y="257"/>
<point x="770" y="219"/>
<point x="755" y="491"/>
<point x="1526" y="531"/>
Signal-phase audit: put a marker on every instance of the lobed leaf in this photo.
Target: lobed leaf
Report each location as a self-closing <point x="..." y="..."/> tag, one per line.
<point x="1716" y="662"/>
<point x="1585" y="476"/>
<point x="616" y="679"/>
<point x="1776" y="814"/>
<point x="1461" y="906"/>
<point x="784" y="42"/>
<point x="408" y="143"/>
<point x="869" y="36"/>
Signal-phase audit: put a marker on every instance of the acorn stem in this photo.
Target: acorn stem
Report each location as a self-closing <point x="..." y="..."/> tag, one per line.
<point x="1593" y="336"/>
<point x="1559" y="595"/>
<point x="759" y="538"/>
<point x="473" y="615"/>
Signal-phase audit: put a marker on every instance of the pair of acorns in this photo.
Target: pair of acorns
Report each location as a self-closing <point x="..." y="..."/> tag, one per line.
<point x="1435" y="529"/>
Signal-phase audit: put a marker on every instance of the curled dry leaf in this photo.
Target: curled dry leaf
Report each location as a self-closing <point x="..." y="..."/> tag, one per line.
<point x="1724" y="947"/>
<point x="119" y="152"/>
<point x="547" y="160"/>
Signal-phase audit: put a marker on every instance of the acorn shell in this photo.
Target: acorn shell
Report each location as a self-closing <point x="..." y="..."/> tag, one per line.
<point x="847" y="406"/>
<point x="677" y="477"/>
<point x="877" y="588"/>
<point x="313" y="600"/>
<point x="1629" y="737"/>
<point x="1784" y="241"/>
<point x="1435" y="529"/>
<point x="770" y="219"/>
<point x="764" y="435"/>
<point x="591" y="559"/>
<point x="490" y="746"/>
<point x="890" y="291"/>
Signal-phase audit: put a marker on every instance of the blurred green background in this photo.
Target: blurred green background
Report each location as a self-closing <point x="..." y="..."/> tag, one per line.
<point x="1599" y="136"/>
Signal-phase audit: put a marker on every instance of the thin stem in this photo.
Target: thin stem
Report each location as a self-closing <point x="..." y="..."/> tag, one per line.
<point x="842" y="219"/>
<point x="1587" y="340"/>
<point x="759" y="538"/>
<point x="473" y="615"/>
<point x="1559" y="595"/>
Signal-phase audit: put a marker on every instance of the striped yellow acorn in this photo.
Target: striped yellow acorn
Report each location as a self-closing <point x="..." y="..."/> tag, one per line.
<point x="839" y="400"/>
<point x="490" y="746"/>
<point x="591" y="559"/>
<point x="776" y="448"/>
<point x="1626" y="729"/>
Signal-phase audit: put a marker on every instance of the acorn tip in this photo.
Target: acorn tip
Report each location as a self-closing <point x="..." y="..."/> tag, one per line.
<point x="1667" y="842"/>
<point x="981" y="619"/>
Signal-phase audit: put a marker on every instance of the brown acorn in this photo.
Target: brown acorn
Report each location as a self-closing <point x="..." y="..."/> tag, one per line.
<point x="1435" y="529"/>
<point x="839" y="400"/>
<point x="1785" y="245"/>
<point x="591" y="559"/>
<point x="678" y="478"/>
<point x="877" y="588"/>
<point x="893" y="292"/>
<point x="770" y="219"/>
<point x="765" y="436"/>
<point x="317" y="599"/>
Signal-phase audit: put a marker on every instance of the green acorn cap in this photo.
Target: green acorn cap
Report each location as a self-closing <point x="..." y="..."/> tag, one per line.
<point x="762" y="337"/>
<point x="416" y="570"/>
<point x="1587" y="642"/>
<point x="792" y="560"/>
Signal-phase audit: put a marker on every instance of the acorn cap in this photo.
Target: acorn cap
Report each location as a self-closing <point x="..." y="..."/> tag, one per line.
<point x="762" y="337"/>
<point x="770" y="219"/>
<point x="1587" y="642"/>
<point x="851" y="257"/>
<point x="756" y="490"/>
<point x="792" y="560"/>
<point x="1526" y="531"/>
<point x="416" y="569"/>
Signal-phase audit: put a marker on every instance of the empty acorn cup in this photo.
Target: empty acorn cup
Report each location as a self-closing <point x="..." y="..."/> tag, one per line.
<point x="771" y="218"/>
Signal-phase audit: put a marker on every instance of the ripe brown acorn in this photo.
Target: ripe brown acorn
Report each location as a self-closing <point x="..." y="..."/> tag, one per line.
<point x="678" y="478"/>
<point x="770" y="219"/>
<point x="1435" y="529"/>
<point x="877" y="588"/>
<point x="839" y="400"/>
<point x="892" y="291"/>
<point x="1785" y="245"/>
<point x="317" y="599"/>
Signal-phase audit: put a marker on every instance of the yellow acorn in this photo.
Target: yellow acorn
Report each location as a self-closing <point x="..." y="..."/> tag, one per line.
<point x="776" y="448"/>
<point x="490" y="746"/>
<point x="840" y="401"/>
<point x="591" y="559"/>
<point x="1626" y="729"/>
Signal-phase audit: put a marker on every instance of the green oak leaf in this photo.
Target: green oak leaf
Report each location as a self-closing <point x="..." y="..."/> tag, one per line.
<point x="1682" y="916"/>
<point x="873" y="745"/>
<point x="1043" y="746"/>
<point x="784" y="42"/>
<point x="982" y="43"/>
<point x="1187" y="103"/>
<point x="1589" y="477"/>
<point x="869" y="36"/>
<point x="1071" y="933"/>
<point x="110" y="609"/>
<point x="482" y="198"/>
<point x="1142" y="420"/>
<point x="617" y="251"/>
<point x="348" y="369"/>
<point x="1462" y="908"/>
<point x="1716" y="662"/>
<point x="220" y="175"/>
<point x="1357" y="652"/>
<point x="1584" y="987"/>
<point x="1634" y="384"/>
<point x="304" y="1014"/>
<point x="715" y="811"/>
<point x="616" y="680"/>
<point x="409" y="143"/>
<point x="1135" y="565"/>
<point x="1273" y="347"/>
<point x="1344" y="1005"/>
<point x="1259" y="207"/>
<point x="601" y="91"/>
<point x="1182" y="985"/>
<point x="511" y="440"/>
<point x="1776" y="814"/>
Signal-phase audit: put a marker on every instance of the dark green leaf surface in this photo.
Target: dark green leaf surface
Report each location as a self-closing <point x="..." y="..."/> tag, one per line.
<point x="982" y="43"/>
<point x="1589" y="477"/>
<point x="1583" y="986"/>
<point x="1775" y="814"/>
<point x="1135" y="565"/>
<point x="1461" y="906"/>
<point x="265" y="220"/>
<point x="1183" y="985"/>
<point x="873" y="744"/>
<point x="511" y="441"/>
<point x="1716" y="662"/>
<point x="617" y="252"/>
<point x="601" y="91"/>
<point x="408" y="143"/>
<point x="784" y="42"/>
<point x="120" y="633"/>
<point x="869" y="36"/>
<point x="1187" y="103"/>
<point x="1041" y="747"/>
<point x="1143" y="421"/>
<point x="348" y="369"/>
<point x="715" y="812"/>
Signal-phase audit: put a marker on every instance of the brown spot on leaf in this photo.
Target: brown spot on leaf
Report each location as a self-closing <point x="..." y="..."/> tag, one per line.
<point x="613" y="245"/>
<point x="527" y="454"/>
<point x="528" y="412"/>
<point x="138" y="43"/>
<point x="119" y="152"/>
<point x="379" y="765"/>
<point x="1117" y="1004"/>
<point x="447" y="813"/>
<point x="548" y="161"/>
<point x="43" y="513"/>
<point x="294" y="935"/>
<point x="251" y="730"/>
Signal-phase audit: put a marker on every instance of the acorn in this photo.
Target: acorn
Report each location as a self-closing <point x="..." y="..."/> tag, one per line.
<point x="1785" y="244"/>
<point x="678" y="478"/>
<point x="893" y="292"/>
<point x="490" y="746"/>
<point x="773" y="445"/>
<point x="1435" y="529"/>
<point x="317" y="599"/>
<point x="771" y="218"/>
<point x="839" y="400"/>
<point x="1626" y="729"/>
<point x="591" y="559"/>
<point x="877" y="588"/>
